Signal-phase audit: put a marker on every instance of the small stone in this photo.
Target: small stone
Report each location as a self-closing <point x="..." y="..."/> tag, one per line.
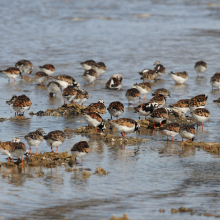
<point x="174" y="210"/>
<point x="162" y="210"/>
<point x="100" y="171"/>
<point x="86" y="174"/>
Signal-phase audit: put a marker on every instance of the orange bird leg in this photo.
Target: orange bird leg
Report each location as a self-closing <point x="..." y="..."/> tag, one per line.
<point x="99" y="77"/>
<point x="124" y="134"/>
<point x="144" y="98"/>
<point x="8" y="159"/>
<point x="56" y="149"/>
<point x="133" y="104"/>
<point x="14" y="80"/>
<point x="139" y="97"/>
<point x="41" y="84"/>
<point x="28" y="75"/>
<point x="202" y="125"/>
<point x="30" y="149"/>
<point x="128" y="103"/>
<point x="81" y="162"/>
<point x="23" y="114"/>
<point x="13" y="160"/>
<point x="51" y="149"/>
<point x="172" y="138"/>
<point x="88" y="127"/>
<point x="22" y="161"/>
<point x="36" y="150"/>
<point x="75" y="159"/>
<point x="96" y="130"/>
<point x="185" y="114"/>
<point x="154" y="125"/>
<point x="161" y="125"/>
<point x="72" y="101"/>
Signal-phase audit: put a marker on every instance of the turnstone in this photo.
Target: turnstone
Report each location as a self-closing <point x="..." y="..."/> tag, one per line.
<point x="115" y="109"/>
<point x="188" y="132"/>
<point x="100" y="68"/>
<point x="217" y="102"/>
<point x="14" y="148"/>
<point x="55" y="139"/>
<point x="162" y="91"/>
<point x="132" y="95"/>
<point x="125" y="125"/>
<point x="53" y="88"/>
<point x="90" y="75"/>
<point x="96" y="107"/>
<point x="179" y="77"/>
<point x="198" y="101"/>
<point x="159" y="99"/>
<point x="25" y="66"/>
<point x="200" y="67"/>
<point x="80" y="149"/>
<point x="200" y="115"/>
<point x="35" y="138"/>
<point x="171" y="129"/>
<point x="143" y="88"/>
<point x="113" y="83"/>
<point x="215" y="81"/>
<point x="93" y="119"/>
<point x="69" y="93"/>
<point x="145" y="109"/>
<point x="11" y="72"/>
<point x="81" y="97"/>
<point x="159" y="69"/>
<point x="87" y="65"/>
<point x="20" y="103"/>
<point x="64" y="80"/>
<point x="160" y="114"/>
<point x="49" y="69"/>
<point x="40" y="77"/>
<point x="148" y="75"/>
<point x="182" y="105"/>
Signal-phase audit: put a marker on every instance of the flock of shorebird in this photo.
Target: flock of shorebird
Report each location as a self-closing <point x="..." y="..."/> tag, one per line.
<point x="93" y="113"/>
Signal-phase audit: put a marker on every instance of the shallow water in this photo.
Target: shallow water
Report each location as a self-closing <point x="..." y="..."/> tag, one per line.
<point x="143" y="178"/>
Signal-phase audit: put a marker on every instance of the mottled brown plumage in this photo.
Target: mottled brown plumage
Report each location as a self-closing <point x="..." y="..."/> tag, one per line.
<point x="133" y="92"/>
<point x="40" y="74"/>
<point x="125" y="122"/>
<point x="24" y="63"/>
<point x="189" y="128"/>
<point x="95" y="115"/>
<point x="148" y="75"/>
<point x="56" y="136"/>
<point x="48" y="67"/>
<point x="217" y="101"/>
<point x="198" y="101"/>
<point x="52" y="82"/>
<point x="66" y="78"/>
<point x="162" y="91"/>
<point x="116" y="105"/>
<point x="215" y="78"/>
<point x="90" y="72"/>
<point x="183" y="103"/>
<point x="96" y="107"/>
<point x="22" y="101"/>
<point x="12" y="70"/>
<point x="160" y="99"/>
<point x="69" y="90"/>
<point x="183" y="74"/>
<point x="115" y="85"/>
<point x="160" y="113"/>
<point x="100" y="65"/>
<point x="35" y="135"/>
<point x="202" y="112"/>
<point x="145" y="85"/>
<point x="200" y="63"/>
<point x="88" y="62"/>
<point x="81" y="146"/>
<point x="175" y="127"/>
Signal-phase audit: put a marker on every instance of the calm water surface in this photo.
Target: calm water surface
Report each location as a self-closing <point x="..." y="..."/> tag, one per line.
<point x="128" y="36"/>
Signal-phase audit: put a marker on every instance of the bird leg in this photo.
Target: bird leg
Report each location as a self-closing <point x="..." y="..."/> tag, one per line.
<point x="14" y="80"/>
<point x="30" y="150"/>
<point x="88" y="127"/>
<point x="22" y="161"/>
<point x="154" y="125"/>
<point x="51" y="149"/>
<point x="23" y="115"/>
<point x="172" y="138"/>
<point x="144" y="98"/>
<point x="128" y="103"/>
<point x="15" y="114"/>
<point x="56" y="149"/>
<point x="99" y="77"/>
<point x="81" y="161"/>
<point x="96" y="130"/>
<point x="161" y="125"/>
<point x="202" y="126"/>
<point x="72" y="101"/>
<point x="124" y="135"/>
<point x="167" y="139"/>
<point x="36" y="150"/>
<point x="133" y="104"/>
